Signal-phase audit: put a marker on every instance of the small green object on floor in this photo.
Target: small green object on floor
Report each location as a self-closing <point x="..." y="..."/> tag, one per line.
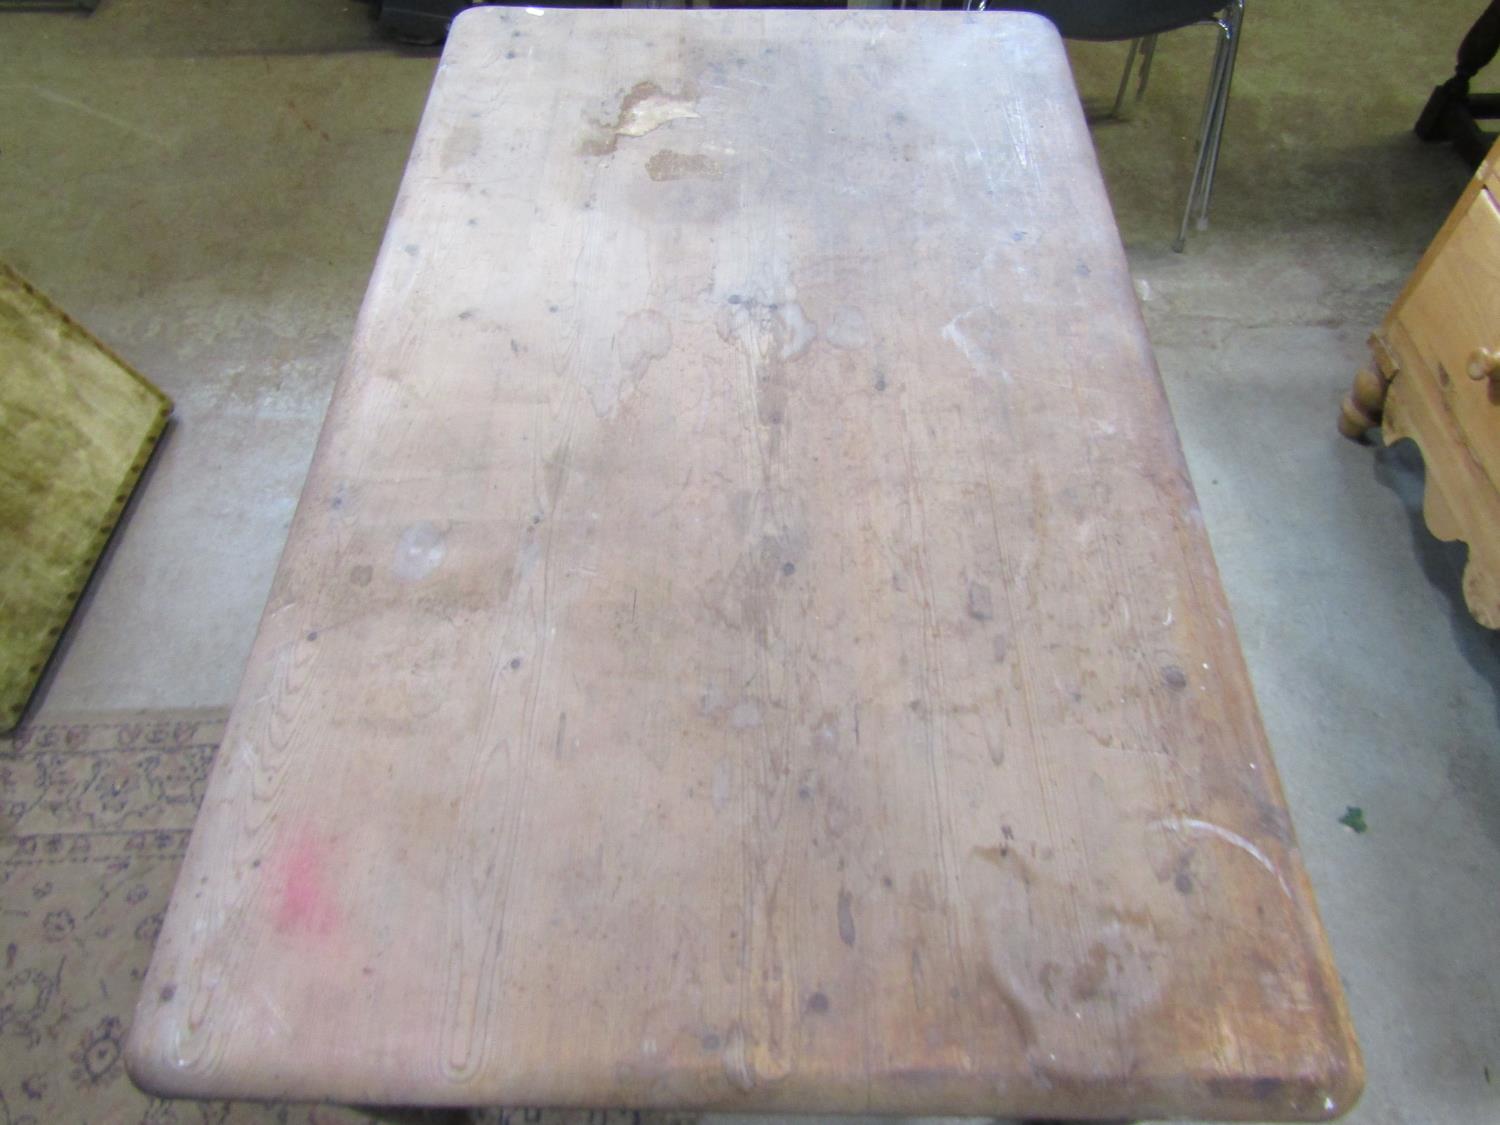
<point x="1354" y="817"/>
<point x="77" y="426"/>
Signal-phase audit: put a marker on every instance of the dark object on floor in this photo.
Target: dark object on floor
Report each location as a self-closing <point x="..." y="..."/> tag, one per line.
<point x="423" y="22"/>
<point x="1121" y="19"/>
<point x="1452" y="113"/>
<point x="1354" y="818"/>
<point x="48" y="5"/>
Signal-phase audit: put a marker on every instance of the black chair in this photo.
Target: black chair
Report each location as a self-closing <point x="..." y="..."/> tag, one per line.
<point x="1142" y="21"/>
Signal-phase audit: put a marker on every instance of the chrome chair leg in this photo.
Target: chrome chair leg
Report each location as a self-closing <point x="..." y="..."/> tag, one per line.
<point x="1211" y="116"/>
<point x="1135" y="46"/>
<point x="1143" y="49"/>
<point x="1236" y="17"/>
<point x="1148" y="52"/>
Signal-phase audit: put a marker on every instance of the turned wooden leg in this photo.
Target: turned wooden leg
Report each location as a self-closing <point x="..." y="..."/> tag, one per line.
<point x="1450" y="111"/>
<point x="1364" y="404"/>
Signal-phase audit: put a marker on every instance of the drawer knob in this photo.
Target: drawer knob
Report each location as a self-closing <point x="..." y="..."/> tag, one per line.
<point x="1484" y="363"/>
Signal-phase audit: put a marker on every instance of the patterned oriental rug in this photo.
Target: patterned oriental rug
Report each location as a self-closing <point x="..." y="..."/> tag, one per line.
<point x="95" y="812"/>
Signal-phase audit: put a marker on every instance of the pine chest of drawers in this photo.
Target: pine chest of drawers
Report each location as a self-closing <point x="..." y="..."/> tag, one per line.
<point x="1435" y="378"/>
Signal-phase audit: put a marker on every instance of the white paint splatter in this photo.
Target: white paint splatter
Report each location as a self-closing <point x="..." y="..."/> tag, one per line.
<point x="1192" y="824"/>
<point x="419" y="552"/>
<point x="278" y="1017"/>
<point x="652" y="113"/>
<point x="976" y="157"/>
<point x="800" y="332"/>
<point x="745" y="715"/>
<point x="956" y="336"/>
<point x="1018" y="118"/>
<point x="972" y="350"/>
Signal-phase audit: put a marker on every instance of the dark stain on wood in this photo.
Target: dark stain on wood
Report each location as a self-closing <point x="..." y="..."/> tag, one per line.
<point x="846" y="918"/>
<point x="668" y="165"/>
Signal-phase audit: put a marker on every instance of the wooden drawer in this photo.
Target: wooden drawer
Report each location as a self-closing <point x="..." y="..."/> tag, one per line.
<point x="1451" y="310"/>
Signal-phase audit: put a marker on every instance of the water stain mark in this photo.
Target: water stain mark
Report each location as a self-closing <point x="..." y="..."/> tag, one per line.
<point x="744" y="716"/>
<point x="668" y="165"/>
<point x="994" y="855"/>
<point x="419" y="552"/>
<point x="981" y="602"/>
<point x="848" y="330"/>
<point x="646" y="107"/>
<point x="1092" y="975"/>
<point x="644" y="337"/>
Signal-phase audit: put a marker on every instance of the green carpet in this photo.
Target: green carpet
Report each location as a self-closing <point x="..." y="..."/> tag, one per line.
<point x="78" y="427"/>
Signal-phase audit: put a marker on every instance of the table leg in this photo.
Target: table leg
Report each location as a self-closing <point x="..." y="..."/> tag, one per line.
<point x="1450" y="111"/>
<point x="1363" y="405"/>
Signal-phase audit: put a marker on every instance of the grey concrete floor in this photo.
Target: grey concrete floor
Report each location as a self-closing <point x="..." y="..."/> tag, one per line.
<point x="206" y="185"/>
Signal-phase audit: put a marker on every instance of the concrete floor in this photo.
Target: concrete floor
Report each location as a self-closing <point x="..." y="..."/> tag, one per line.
<point x="206" y="185"/>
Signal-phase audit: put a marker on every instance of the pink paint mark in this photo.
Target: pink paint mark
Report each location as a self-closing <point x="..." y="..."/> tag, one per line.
<point x="305" y="902"/>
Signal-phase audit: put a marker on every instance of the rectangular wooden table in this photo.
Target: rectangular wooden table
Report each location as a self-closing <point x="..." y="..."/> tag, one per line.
<point x="748" y="639"/>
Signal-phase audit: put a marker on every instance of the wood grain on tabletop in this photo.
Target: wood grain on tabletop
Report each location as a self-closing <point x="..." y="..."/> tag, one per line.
<point x="748" y="638"/>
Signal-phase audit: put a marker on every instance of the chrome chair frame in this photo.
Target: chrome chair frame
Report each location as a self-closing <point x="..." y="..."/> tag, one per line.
<point x="1229" y="22"/>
